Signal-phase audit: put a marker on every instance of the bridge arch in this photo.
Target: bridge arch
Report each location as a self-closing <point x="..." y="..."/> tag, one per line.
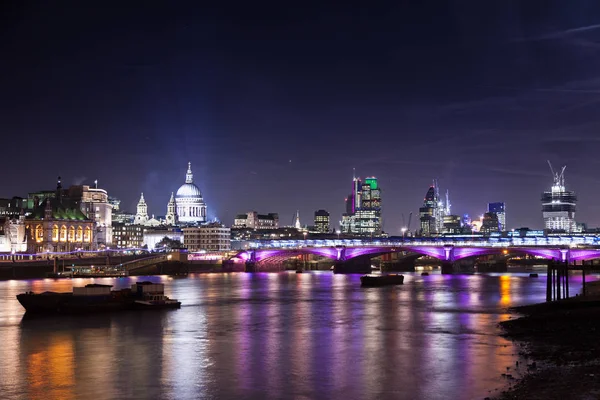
<point x="264" y="254"/>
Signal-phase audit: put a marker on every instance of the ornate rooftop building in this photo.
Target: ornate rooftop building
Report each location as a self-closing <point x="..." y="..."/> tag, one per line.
<point x="58" y="224"/>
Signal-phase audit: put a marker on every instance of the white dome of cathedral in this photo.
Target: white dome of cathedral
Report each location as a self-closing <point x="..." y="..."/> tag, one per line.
<point x="189" y="190"/>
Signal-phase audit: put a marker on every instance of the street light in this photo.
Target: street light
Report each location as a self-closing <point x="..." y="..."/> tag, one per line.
<point x="338" y="233"/>
<point x="403" y="232"/>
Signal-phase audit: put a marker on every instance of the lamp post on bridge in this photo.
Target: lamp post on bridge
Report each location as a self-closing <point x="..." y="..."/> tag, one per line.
<point x="403" y="233"/>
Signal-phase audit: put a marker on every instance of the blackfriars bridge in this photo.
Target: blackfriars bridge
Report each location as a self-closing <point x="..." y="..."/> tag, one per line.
<point x="354" y="255"/>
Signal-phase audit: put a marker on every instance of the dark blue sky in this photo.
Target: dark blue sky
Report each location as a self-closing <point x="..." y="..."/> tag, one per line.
<point x="476" y="94"/>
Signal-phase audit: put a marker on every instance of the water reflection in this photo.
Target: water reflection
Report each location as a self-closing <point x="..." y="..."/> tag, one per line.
<point x="271" y="335"/>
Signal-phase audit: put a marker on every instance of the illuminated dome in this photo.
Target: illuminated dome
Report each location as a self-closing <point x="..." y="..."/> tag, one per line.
<point x="189" y="190"/>
<point x="191" y="208"/>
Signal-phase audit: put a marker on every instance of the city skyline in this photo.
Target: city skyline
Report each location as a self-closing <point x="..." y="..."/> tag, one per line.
<point x="335" y="220"/>
<point x="391" y="90"/>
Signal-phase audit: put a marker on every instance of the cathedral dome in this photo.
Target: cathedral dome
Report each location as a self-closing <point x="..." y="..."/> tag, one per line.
<point x="190" y="206"/>
<point x="189" y="190"/>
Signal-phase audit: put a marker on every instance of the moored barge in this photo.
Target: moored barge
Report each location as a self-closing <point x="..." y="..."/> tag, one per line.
<point x="95" y="298"/>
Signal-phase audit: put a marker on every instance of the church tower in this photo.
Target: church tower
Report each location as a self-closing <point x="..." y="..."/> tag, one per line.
<point x="171" y="217"/>
<point x="297" y="220"/>
<point x="141" y="215"/>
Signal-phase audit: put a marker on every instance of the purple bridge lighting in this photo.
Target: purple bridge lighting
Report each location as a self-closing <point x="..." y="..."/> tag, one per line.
<point x="443" y="253"/>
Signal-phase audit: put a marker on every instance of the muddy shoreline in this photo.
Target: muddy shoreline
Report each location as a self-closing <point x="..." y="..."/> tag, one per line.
<point x="560" y="350"/>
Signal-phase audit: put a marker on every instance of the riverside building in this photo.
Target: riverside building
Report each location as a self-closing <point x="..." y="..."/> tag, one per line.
<point x="209" y="237"/>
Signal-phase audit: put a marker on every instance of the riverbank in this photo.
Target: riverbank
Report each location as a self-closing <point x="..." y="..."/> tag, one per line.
<point x="560" y="346"/>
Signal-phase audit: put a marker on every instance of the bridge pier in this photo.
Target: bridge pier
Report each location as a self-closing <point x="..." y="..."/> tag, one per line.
<point x="250" y="266"/>
<point x="447" y="267"/>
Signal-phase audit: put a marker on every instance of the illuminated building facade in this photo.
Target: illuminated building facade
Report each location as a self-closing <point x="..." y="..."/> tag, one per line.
<point x="499" y="209"/>
<point x="490" y="223"/>
<point x="115" y="203"/>
<point x="322" y="221"/>
<point x="57" y="224"/>
<point x="12" y="207"/>
<point x="452" y="224"/>
<point x="254" y="220"/>
<point x="433" y="211"/>
<point x="152" y="237"/>
<point x="210" y="237"/>
<point x="95" y="205"/>
<point x="122" y="217"/>
<point x="363" y="209"/>
<point x="427" y="213"/>
<point x="13" y="237"/>
<point x="127" y="236"/>
<point x="558" y="206"/>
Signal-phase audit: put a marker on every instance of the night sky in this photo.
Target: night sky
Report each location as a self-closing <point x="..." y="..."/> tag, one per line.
<point x="274" y="105"/>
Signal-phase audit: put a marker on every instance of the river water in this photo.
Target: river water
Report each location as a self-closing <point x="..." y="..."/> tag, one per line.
<point x="271" y="336"/>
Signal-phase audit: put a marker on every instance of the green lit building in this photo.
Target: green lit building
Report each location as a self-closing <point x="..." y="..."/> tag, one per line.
<point x="364" y="217"/>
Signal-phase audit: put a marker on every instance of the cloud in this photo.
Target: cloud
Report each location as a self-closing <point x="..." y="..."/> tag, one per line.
<point x="560" y="34"/>
<point x="79" y="180"/>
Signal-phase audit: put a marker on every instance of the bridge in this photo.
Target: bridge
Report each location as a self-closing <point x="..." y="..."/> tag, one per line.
<point x="353" y="255"/>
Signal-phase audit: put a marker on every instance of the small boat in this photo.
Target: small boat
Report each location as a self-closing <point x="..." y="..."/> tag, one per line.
<point x="299" y="271"/>
<point x="424" y="273"/>
<point x="382" y="280"/>
<point x="533" y="275"/>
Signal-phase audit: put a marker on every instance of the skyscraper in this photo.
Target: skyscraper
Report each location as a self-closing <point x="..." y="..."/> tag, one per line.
<point x="363" y="208"/>
<point x="433" y="211"/>
<point x="500" y="210"/>
<point x="322" y="221"/>
<point x="490" y="223"/>
<point x="427" y="213"/>
<point x="558" y="205"/>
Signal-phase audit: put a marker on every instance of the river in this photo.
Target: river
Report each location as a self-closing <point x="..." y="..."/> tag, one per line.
<point x="271" y="336"/>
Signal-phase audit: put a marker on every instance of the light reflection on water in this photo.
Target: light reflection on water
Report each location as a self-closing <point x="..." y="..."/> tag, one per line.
<point x="271" y="335"/>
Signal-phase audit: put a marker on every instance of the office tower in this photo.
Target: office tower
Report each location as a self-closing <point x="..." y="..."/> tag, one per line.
<point x="500" y="210"/>
<point x="558" y="205"/>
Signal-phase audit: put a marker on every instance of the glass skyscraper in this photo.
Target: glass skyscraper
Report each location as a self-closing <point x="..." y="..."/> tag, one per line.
<point x="363" y="208"/>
